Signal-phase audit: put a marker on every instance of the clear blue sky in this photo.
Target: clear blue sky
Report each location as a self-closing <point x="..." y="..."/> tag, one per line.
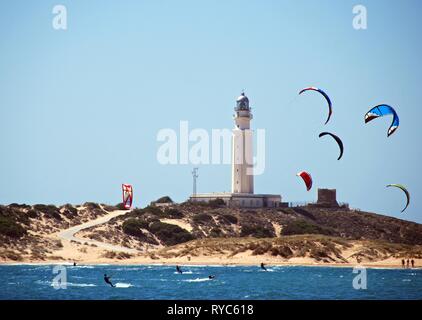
<point x="80" y="109"/>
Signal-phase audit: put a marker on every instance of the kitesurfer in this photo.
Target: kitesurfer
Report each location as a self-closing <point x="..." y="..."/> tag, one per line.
<point x="107" y="280"/>
<point x="211" y="277"/>
<point x="263" y="266"/>
<point x="179" y="270"/>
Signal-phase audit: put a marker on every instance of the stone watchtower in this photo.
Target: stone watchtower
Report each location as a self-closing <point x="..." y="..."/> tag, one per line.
<point x="327" y="198"/>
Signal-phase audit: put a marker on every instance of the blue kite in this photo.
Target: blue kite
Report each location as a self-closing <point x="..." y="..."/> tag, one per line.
<point x="383" y="110"/>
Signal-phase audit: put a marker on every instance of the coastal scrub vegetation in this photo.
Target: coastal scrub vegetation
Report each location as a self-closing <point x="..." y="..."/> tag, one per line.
<point x="10" y="228"/>
<point x="50" y="211"/>
<point x="302" y="226"/>
<point x="256" y="231"/>
<point x="133" y="227"/>
<point x="170" y="234"/>
<point x="201" y="218"/>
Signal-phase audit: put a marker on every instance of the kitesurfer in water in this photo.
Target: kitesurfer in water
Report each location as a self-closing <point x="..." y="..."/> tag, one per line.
<point x="211" y="277"/>
<point x="263" y="266"/>
<point x="179" y="270"/>
<point x="107" y="280"/>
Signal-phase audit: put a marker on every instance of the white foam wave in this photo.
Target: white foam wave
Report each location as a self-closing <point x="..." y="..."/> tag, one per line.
<point x="268" y="270"/>
<point x="70" y="284"/>
<point x="198" y="280"/>
<point x="66" y="284"/>
<point x="184" y="272"/>
<point x="123" y="285"/>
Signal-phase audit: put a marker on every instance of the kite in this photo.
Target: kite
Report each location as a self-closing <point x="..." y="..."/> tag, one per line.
<point x="383" y="110"/>
<point x="306" y="178"/>
<point x="403" y="188"/>
<point x="338" y="140"/>
<point x="330" y="108"/>
<point x="127" y="195"/>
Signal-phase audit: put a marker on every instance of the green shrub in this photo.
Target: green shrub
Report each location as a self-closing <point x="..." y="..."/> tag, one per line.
<point x="169" y="234"/>
<point x="257" y="231"/>
<point x="304" y="227"/>
<point x="155" y="211"/>
<point x="133" y="227"/>
<point x="318" y="253"/>
<point x="70" y="211"/>
<point x="136" y="213"/>
<point x="50" y="211"/>
<point x="215" y="232"/>
<point x="10" y="228"/>
<point x="229" y="218"/>
<point x="283" y="251"/>
<point x="91" y="205"/>
<point x="201" y="218"/>
<point x="196" y="203"/>
<point x="19" y="206"/>
<point x="262" y="248"/>
<point x="120" y="206"/>
<point x="173" y="213"/>
<point x="216" y="203"/>
<point x="108" y="207"/>
<point x="32" y="213"/>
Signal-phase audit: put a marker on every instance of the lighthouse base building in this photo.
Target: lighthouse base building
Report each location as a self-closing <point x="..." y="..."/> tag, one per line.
<point x="242" y="184"/>
<point x="240" y="200"/>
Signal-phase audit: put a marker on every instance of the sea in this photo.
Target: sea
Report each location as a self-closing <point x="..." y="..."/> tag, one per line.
<point x="86" y="282"/>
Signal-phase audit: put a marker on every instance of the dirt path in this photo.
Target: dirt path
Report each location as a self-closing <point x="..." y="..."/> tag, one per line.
<point x="69" y="234"/>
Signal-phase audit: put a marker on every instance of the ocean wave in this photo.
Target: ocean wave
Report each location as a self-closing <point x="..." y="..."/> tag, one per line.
<point x="128" y="269"/>
<point x="268" y="270"/>
<point x="198" y="280"/>
<point x="184" y="272"/>
<point x="66" y="284"/>
<point x="71" y="284"/>
<point x="123" y="285"/>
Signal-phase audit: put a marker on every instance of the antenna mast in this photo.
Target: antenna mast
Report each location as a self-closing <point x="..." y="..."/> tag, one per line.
<point x="194" y="176"/>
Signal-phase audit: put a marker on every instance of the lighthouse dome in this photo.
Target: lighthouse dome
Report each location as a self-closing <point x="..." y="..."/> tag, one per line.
<point x="242" y="102"/>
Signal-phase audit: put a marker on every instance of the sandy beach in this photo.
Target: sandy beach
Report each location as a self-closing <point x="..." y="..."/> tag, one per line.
<point x="93" y="257"/>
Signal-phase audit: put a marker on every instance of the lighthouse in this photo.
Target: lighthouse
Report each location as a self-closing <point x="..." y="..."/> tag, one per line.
<point x="242" y="179"/>
<point x="242" y="147"/>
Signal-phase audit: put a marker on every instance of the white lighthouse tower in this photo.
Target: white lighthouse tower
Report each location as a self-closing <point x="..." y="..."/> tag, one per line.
<point x="242" y="148"/>
<point x="242" y="184"/>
